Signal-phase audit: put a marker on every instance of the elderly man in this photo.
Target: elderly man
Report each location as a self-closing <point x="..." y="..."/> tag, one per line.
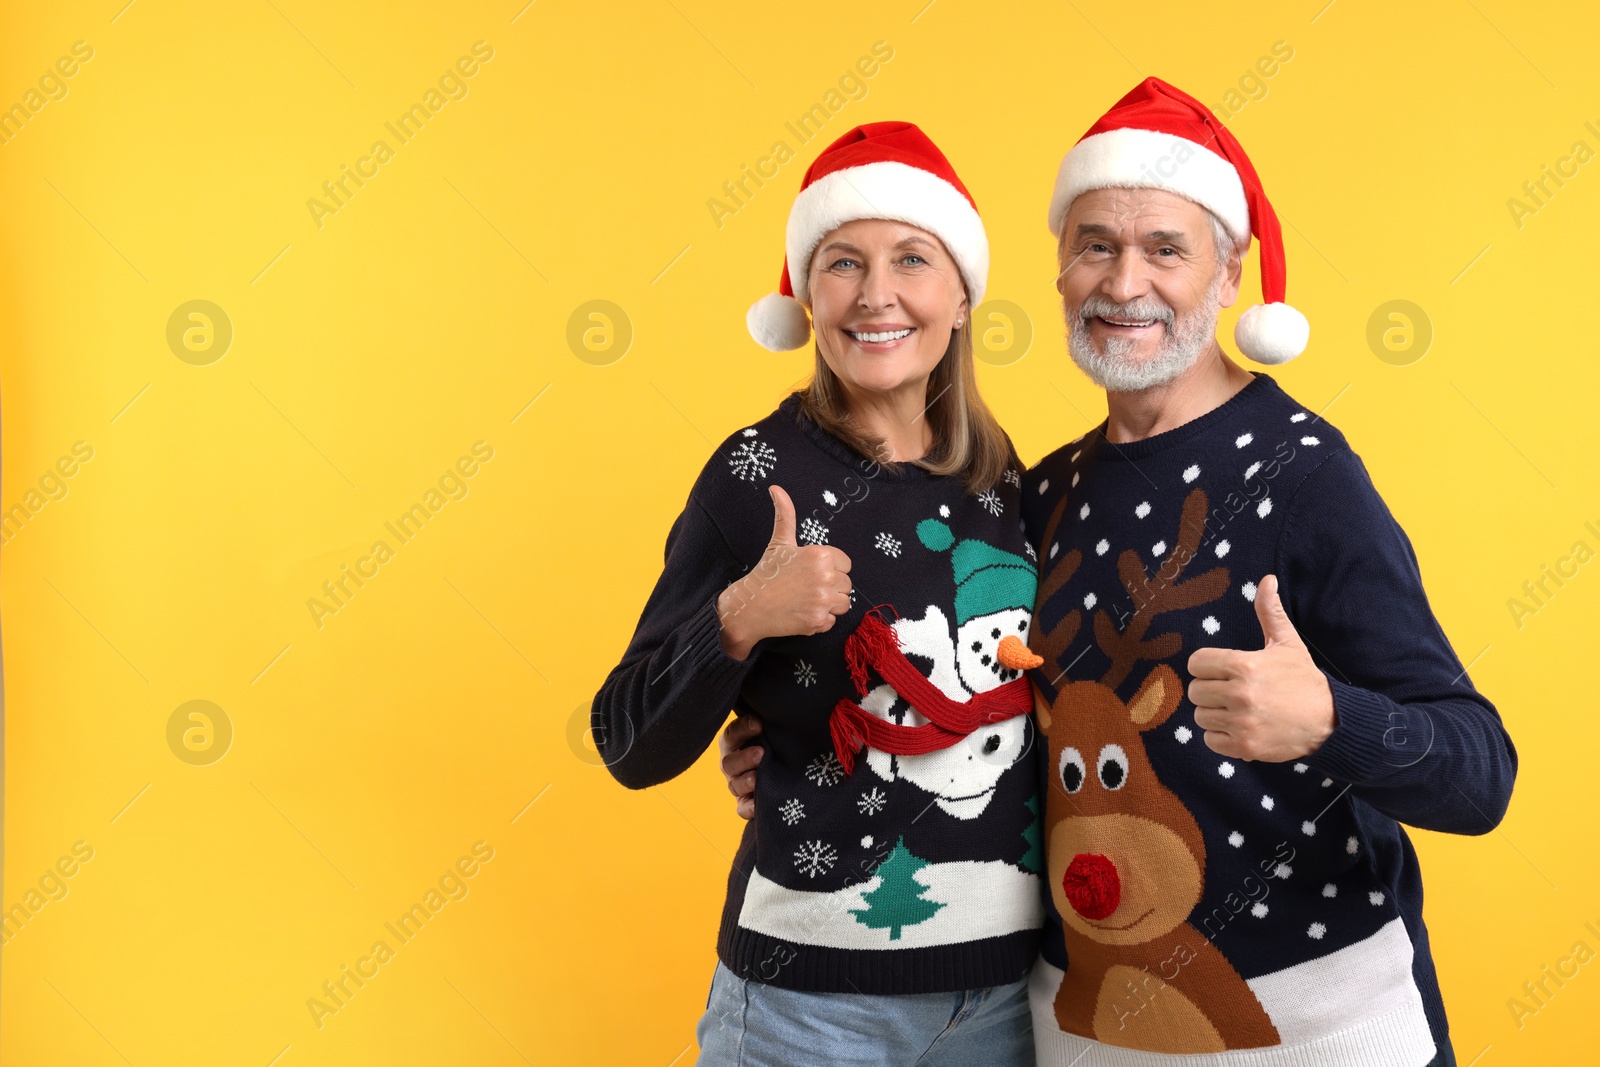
<point x="1245" y="691"/>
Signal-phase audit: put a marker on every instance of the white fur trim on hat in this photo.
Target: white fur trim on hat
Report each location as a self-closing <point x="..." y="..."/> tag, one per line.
<point x="1145" y="159"/>
<point x="778" y="322"/>
<point x="1272" y="333"/>
<point x="887" y="190"/>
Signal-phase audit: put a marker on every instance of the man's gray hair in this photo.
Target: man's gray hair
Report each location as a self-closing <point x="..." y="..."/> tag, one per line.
<point x="1227" y="247"/>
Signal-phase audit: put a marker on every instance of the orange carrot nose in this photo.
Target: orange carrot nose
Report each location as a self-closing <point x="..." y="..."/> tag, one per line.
<point x="1016" y="655"/>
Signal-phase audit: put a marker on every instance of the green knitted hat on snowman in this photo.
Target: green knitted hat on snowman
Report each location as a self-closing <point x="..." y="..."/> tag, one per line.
<point x="988" y="579"/>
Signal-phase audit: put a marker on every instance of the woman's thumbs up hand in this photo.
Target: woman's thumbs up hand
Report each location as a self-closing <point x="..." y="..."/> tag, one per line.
<point x="792" y="591"/>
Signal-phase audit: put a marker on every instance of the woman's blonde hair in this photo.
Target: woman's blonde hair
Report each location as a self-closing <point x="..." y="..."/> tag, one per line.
<point x="967" y="439"/>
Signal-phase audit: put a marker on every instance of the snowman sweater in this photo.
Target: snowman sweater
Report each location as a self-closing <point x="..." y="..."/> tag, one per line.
<point x="1203" y="909"/>
<point x="895" y="843"/>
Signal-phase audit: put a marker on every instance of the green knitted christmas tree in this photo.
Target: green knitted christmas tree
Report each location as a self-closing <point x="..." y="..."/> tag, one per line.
<point x="898" y="901"/>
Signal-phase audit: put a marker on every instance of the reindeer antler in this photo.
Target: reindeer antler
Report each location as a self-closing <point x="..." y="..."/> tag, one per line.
<point x="1054" y="644"/>
<point x="1152" y="599"/>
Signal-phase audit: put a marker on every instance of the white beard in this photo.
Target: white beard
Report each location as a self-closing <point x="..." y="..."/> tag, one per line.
<point x="1185" y="341"/>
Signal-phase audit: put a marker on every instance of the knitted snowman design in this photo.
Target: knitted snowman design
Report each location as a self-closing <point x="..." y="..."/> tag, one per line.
<point x="986" y="649"/>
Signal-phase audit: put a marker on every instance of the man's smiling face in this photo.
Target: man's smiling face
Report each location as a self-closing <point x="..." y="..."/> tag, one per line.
<point x="1141" y="285"/>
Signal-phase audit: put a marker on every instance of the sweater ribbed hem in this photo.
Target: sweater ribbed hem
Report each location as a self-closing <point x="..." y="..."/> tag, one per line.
<point x="937" y="969"/>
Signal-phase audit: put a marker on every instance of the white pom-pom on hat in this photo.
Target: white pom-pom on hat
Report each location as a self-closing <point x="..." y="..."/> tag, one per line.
<point x="1272" y="333"/>
<point x="778" y="323"/>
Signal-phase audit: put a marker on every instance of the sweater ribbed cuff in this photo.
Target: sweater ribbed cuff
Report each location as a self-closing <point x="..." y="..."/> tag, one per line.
<point x="705" y="657"/>
<point x="1370" y="738"/>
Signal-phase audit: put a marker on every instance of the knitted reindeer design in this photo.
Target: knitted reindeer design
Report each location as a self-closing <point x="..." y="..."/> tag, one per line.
<point x="1126" y="858"/>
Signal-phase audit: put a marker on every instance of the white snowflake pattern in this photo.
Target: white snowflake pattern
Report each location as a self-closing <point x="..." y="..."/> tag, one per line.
<point x="814" y="858"/>
<point x="804" y="673"/>
<point x="752" y="460"/>
<point x="1012" y="478"/>
<point x="813" y="532"/>
<point x="792" y="811"/>
<point x="825" y="770"/>
<point x="872" y="801"/>
<point x="888" y="544"/>
<point x="991" y="501"/>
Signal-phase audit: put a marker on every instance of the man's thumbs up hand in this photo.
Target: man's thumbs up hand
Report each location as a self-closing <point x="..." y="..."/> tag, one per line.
<point x="1273" y="705"/>
<point x="792" y="591"/>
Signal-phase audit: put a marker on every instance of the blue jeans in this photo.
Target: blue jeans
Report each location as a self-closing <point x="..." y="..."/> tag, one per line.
<point x="753" y="1024"/>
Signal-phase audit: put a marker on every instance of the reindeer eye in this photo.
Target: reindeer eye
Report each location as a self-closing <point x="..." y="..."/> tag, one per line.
<point x="1072" y="769"/>
<point x="1113" y="765"/>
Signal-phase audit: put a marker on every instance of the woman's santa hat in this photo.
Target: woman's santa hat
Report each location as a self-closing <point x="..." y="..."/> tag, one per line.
<point x="882" y="170"/>
<point x="1158" y="137"/>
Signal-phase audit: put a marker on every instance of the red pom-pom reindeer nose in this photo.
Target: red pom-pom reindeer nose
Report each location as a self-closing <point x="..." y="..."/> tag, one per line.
<point x="1092" y="886"/>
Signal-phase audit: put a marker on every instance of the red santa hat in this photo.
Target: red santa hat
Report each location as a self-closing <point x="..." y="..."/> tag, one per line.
<point x="882" y="170"/>
<point x="1158" y="137"/>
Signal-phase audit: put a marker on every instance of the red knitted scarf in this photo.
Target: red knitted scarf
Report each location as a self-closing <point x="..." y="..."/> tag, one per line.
<point x="875" y="644"/>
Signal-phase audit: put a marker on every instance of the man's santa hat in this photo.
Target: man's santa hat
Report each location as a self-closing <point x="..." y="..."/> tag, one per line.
<point x="882" y="170"/>
<point x="1158" y="137"/>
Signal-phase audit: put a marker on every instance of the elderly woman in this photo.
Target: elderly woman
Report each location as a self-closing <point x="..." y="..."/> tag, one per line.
<point x="851" y="571"/>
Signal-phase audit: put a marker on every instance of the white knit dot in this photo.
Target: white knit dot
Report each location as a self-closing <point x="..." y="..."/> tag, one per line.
<point x="1102" y="547"/>
<point x="1054" y="549"/>
<point x="1309" y="441"/>
<point x="1299" y="416"/>
<point x="1243" y="439"/>
<point x="1326" y="782"/>
<point x="1158" y="548"/>
<point x="1315" y="931"/>
<point x="1268" y="803"/>
<point x="1330" y="890"/>
<point x="1225" y="769"/>
<point x="1074" y="480"/>
<point x="1250" y="471"/>
<point x="1222" y="548"/>
<point x="1183" y="733"/>
<point x="1236" y="839"/>
<point x="828" y="497"/>
<point x="1308" y="828"/>
<point x="1075" y="455"/>
<point x="1210" y="624"/>
<point x="1090" y="600"/>
<point x="1351" y="846"/>
<point x="1300" y="768"/>
<point x="866" y="842"/>
<point x="1249" y="590"/>
<point x="1043" y="486"/>
<point x="1264" y="508"/>
<point x="1258" y="910"/>
<point x="1282" y="870"/>
<point x="944" y="510"/>
<point x="1083" y="512"/>
<point x="1191" y="472"/>
<point x="1375" y="897"/>
<point x="1143" y="509"/>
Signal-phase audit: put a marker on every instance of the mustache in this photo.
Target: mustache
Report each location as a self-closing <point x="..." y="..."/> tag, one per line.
<point x="1146" y="307"/>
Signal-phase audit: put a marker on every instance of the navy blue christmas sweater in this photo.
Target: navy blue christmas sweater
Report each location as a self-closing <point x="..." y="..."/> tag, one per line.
<point x="895" y="843"/>
<point x="1203" y="909"/>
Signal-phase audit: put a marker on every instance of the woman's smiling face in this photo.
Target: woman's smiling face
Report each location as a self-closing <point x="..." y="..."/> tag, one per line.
<point x="885" y="297"/>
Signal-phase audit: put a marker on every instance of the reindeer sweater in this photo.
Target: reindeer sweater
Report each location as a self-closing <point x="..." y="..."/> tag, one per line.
<point x="895" y="843"/>
<point x="1209" y="910"/>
